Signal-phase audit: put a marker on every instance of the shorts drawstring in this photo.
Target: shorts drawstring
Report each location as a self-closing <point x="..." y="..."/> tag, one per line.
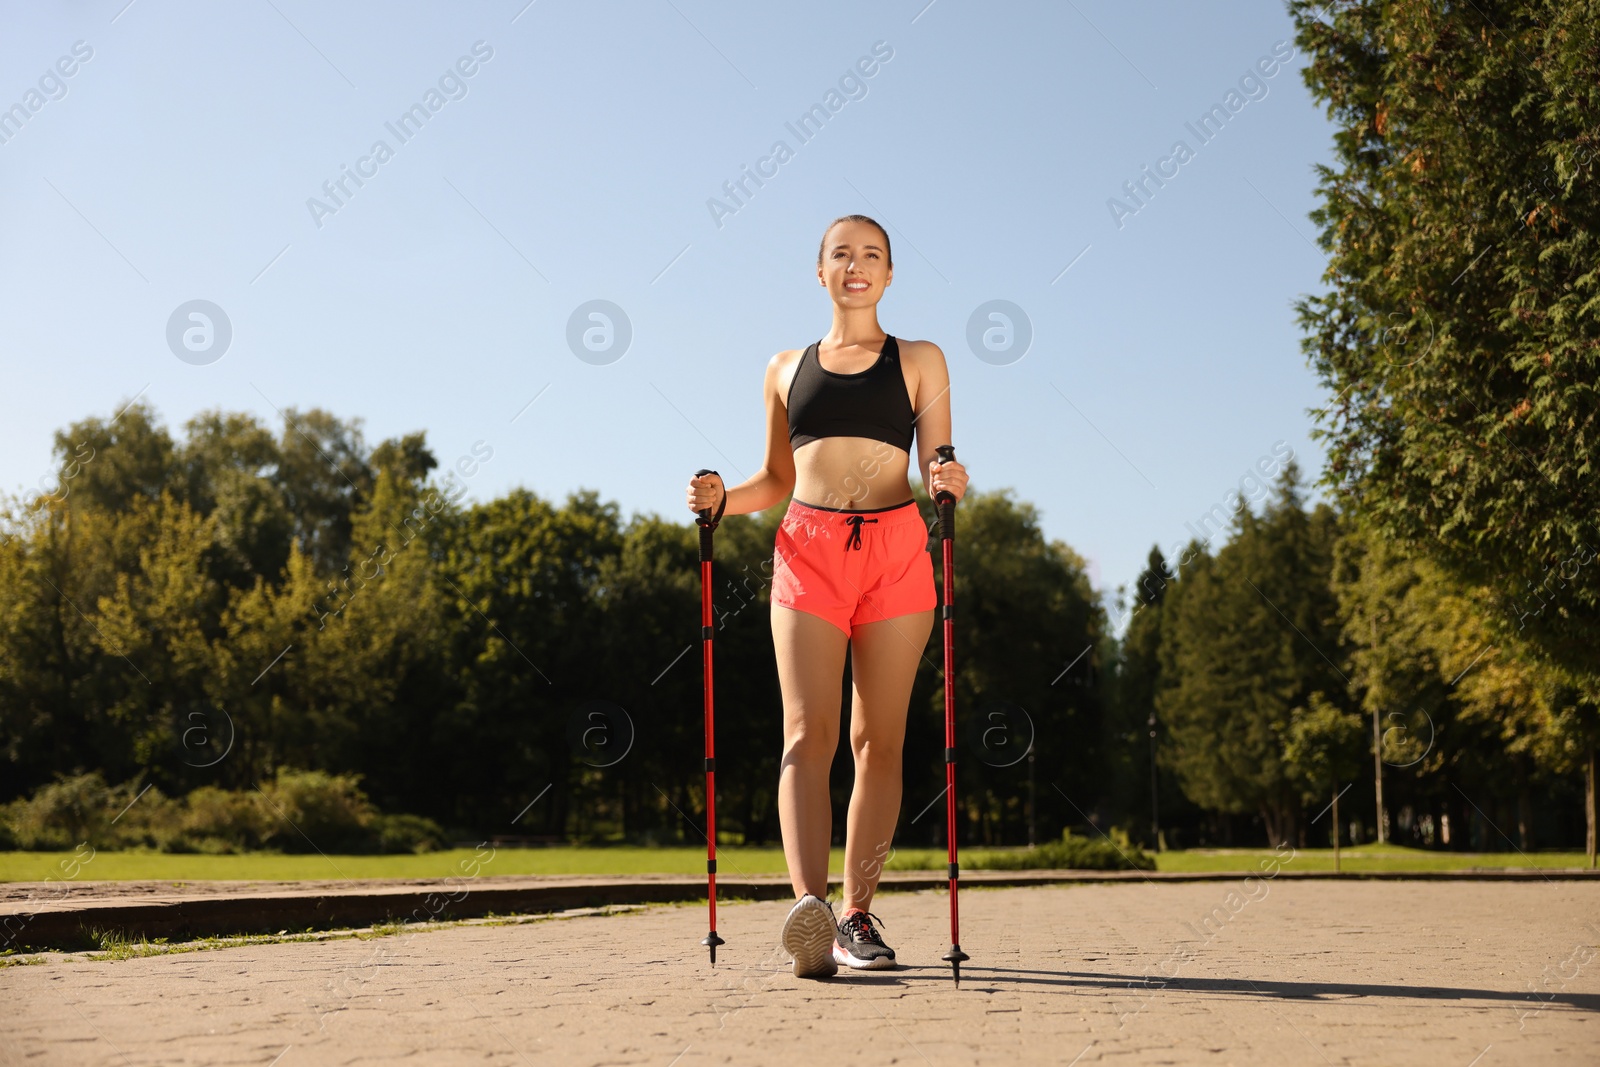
<point x="855" y="534"/>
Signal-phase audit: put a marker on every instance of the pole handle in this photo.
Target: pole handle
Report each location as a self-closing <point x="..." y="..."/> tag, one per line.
<point x="704" y="517"/>
<point x="945" y="499"/>
<point x="706" y="521"/>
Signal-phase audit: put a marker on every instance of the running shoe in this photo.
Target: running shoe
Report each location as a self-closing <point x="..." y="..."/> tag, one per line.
<point x="858" y="943"/>
<point x="808" y="936"/>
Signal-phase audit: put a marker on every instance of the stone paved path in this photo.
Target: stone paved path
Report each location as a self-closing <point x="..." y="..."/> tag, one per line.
<point x="1462" y="975"/>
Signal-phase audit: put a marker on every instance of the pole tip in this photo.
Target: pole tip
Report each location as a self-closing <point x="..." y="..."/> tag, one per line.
<point x="711" y="941"/>
<point x="955" y="956"/>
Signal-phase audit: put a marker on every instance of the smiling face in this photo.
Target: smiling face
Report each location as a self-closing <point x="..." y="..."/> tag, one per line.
<point x="855" y="264"/>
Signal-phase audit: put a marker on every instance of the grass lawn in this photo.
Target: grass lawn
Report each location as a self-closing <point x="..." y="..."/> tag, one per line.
<point x="163" y="866"/>
<point x="731" y="861"/>
<point x="1360" y="858"/>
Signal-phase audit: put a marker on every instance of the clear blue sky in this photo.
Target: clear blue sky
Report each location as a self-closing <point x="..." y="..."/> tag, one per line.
<point x="577" y="162"/>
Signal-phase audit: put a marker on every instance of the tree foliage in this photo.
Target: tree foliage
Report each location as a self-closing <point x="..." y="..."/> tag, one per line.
<point x="1248" y="635"/>
<point x="206" y="612"/>
<point x="1459" y="338"/>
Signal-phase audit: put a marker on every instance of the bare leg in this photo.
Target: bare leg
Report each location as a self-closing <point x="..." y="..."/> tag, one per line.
<point x="810" y="653"/>
<point x="883" y="659"/>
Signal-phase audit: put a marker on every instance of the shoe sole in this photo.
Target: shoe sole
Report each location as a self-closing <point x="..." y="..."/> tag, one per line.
<point x="850" y="959"/>
<point x="808" y="936"/>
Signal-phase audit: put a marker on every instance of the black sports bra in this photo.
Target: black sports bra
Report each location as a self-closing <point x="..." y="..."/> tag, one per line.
<point x="870" y="403"/>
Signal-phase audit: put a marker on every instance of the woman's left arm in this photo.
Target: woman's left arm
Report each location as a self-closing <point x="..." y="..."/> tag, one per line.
<point x="932" y="411"/>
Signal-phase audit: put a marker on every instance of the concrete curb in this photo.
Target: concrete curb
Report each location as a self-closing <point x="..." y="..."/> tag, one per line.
<point x="154" y="910"/>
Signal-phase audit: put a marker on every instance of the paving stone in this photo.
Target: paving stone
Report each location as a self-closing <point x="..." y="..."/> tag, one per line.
<point x="1220" y="972"/>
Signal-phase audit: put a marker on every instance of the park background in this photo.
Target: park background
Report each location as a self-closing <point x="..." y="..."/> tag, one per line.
<point x="360" y="525"/>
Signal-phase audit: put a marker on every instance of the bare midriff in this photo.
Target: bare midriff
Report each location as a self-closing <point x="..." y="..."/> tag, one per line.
<point x="851" y="473"/>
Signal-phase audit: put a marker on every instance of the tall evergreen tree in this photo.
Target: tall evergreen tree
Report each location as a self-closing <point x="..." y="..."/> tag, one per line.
<point x="1247" y="636"/>
<point x="1137" y="786"/>
<point x="1461" y="336"/>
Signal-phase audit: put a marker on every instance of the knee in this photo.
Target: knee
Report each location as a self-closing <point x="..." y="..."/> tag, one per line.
<point x="876" y="752"/>
<point x="809" y="746"/>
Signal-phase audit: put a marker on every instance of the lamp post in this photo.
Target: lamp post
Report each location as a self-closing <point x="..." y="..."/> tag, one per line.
<point x="1030" y="794"/>
<point x="1377" y="755"/>
<point x="1155" y="809"/>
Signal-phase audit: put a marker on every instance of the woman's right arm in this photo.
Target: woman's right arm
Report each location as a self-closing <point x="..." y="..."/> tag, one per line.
<point x="775" y="479"/>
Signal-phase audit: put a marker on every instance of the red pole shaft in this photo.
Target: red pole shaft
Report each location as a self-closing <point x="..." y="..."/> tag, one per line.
<point x="711" y="774"/>
<point x="950" y="735"/>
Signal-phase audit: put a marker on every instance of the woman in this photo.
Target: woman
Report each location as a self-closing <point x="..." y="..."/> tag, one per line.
<point x="851" y="568"/>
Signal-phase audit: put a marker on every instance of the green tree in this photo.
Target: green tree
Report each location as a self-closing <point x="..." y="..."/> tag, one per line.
<point x="325" y="475"/>
<point x="649" y="647"/>
<point x="1129" y="748"/>
<point x="1248" y="635"/>
<point x="349" y="672"/>
<point x="1460" y="334"/>
<point x="160" y="617"/>
<point x="520" y="579"/>
<point x="1030" y="634"/>
<point x="45" y="722"/>
<point x="105" y="464"/>
<point x="1385" y="606"/>
<point x="69" y="691"/>
<point x="1322" y="749"/>
<point x="227" y="468"/>
<point x="1463" y="709"/>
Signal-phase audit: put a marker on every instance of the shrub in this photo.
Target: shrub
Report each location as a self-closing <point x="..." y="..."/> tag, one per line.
<point x="217" y="821"/>
<point x="151" y="821"/>
<point x="8" y="839"/>
<point x="299" y="811"/>
<point x="407" y="833"/>
<point x="313" y="811"/>
<point x="62" y="813"/>
<point x="1071" y="852"/>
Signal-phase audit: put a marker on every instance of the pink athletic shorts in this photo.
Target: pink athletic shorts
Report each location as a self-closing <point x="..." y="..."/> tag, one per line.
<point x="853" y="567"/>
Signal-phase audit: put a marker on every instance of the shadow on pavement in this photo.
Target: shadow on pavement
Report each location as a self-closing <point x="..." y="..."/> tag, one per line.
<point x="972" y="976"/>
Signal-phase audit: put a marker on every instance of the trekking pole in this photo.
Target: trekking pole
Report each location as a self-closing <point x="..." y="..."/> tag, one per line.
<point x="707" y="524"/>
<point x="947" y="533"/>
